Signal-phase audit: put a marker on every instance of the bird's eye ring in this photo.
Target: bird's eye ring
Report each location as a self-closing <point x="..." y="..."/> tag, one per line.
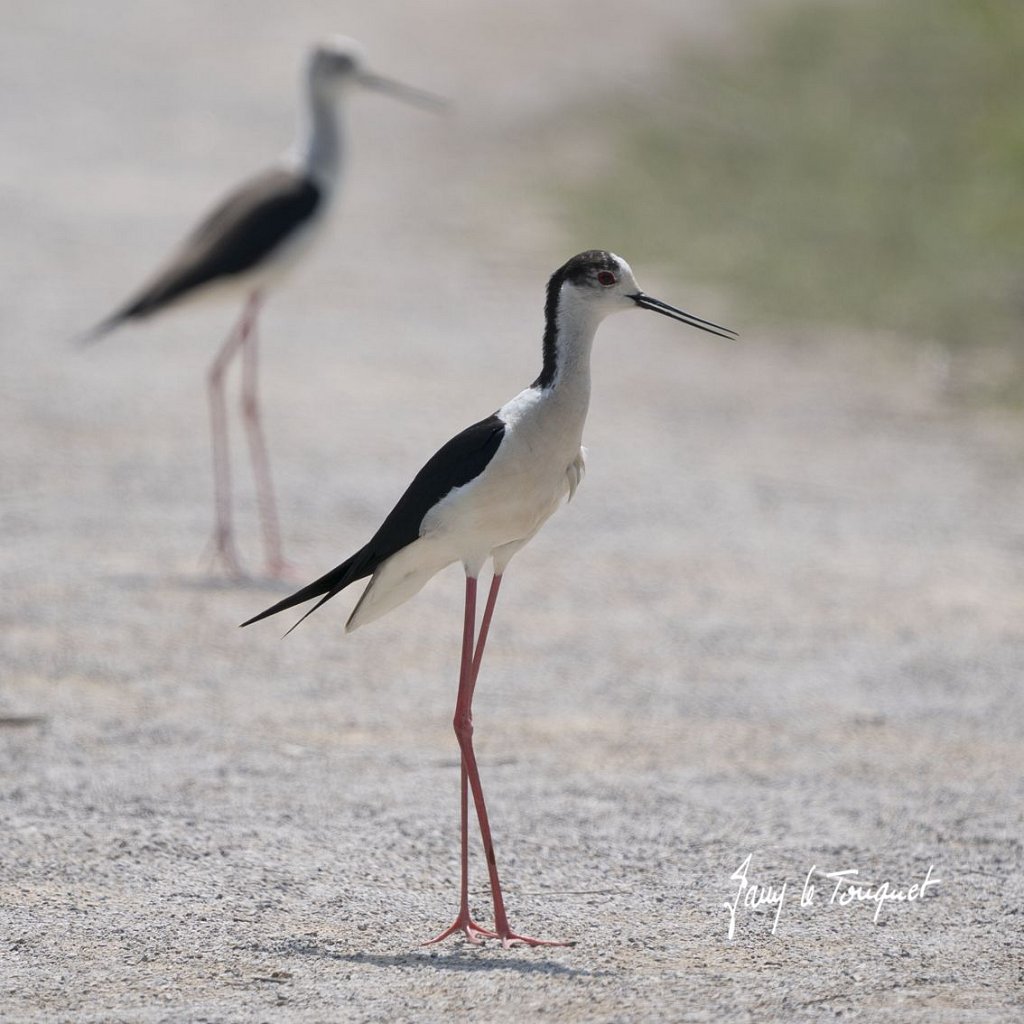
<point x="605" y="277"/>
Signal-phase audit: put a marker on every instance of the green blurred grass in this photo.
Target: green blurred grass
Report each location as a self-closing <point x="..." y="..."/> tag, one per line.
<point x="857" y="163"/>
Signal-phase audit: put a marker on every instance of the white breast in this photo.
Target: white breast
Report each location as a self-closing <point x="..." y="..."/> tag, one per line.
<point x="537" y="466"/>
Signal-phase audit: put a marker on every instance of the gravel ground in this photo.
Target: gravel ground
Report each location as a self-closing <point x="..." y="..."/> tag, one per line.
<point x="782" y="618"/>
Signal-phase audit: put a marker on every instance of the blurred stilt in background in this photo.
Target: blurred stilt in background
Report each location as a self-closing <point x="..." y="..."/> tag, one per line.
<point x="245" y="246"/>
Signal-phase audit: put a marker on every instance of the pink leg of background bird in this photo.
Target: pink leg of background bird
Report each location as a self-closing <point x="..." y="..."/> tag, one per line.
<point x="276" y="564"/>
<point x="463" y="723"/>
<point x="242" y="341"/>
<point x="223" y="537"/>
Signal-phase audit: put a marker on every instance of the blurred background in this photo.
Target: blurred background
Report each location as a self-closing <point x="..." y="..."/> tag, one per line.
<point x="857" y="166"/>
<point x="783" y="613"/>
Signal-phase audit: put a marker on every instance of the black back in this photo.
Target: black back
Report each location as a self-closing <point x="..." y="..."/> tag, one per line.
<point x="235" y="237"/>
<point x="455" y="464"/>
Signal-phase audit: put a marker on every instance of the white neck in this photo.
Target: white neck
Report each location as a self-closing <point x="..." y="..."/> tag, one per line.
<point x="568" y="341"/>
<point x="567" y="396"/>
<point x="319" y="151"/>
<point x="573" y="344"/>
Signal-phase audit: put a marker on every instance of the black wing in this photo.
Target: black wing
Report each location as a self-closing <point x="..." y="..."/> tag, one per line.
<point x="458" y="462"/>
<point x="239" y="233"/>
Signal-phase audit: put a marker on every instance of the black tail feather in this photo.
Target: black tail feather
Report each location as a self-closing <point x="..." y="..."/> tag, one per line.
<point x="149" y="302"/>
<point x="328" y="585"/>
<point x="306" y="615"/>
<point x="98" y="331"/>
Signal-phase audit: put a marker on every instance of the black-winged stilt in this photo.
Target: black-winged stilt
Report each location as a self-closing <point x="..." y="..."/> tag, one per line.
<point x="244" y="246"/>
<point x="483" y="496"/>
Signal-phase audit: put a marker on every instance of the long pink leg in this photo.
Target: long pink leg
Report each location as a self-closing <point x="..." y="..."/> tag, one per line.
<point x="464" y="922"/>
<point x="223" y="537"/>
<point x="276" y="564"/>
<point x="463" y="723"/>
<point x="485" y="626"/>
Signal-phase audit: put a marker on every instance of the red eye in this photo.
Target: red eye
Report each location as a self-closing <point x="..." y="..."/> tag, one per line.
<point x="606" y="277"/>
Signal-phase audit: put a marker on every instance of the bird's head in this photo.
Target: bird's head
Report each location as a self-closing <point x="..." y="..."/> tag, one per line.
<point x="596" y="283"/>
<point x="338" y="64"/>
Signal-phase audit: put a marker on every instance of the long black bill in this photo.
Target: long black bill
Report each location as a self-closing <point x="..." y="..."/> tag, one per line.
<point x="646" y="302"/>
<point x="417" y="97"/>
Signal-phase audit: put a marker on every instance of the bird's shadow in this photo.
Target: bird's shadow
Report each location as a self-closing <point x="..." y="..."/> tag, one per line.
<point x="210" y="582"/>
<point x="459" y="958"/>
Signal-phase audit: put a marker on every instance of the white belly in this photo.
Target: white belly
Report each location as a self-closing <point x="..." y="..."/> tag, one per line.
<point x="537" y="466"/>
<point x="494" y="515"/>
<point x="534" y="470"/>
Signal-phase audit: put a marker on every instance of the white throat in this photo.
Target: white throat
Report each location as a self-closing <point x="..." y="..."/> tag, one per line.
<point x="576" y="324"/>
<point x="319" y="151"/>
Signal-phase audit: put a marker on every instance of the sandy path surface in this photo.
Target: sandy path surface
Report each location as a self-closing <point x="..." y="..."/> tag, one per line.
<point x="783" y="616"/>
